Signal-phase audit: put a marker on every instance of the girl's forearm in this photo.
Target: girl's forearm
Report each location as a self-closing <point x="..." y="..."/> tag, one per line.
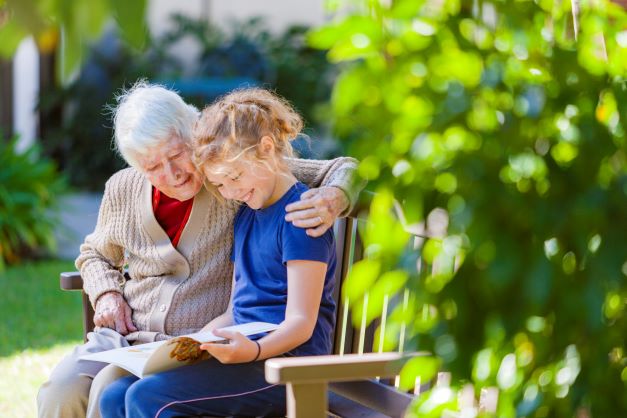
<point x="290" y="334"/>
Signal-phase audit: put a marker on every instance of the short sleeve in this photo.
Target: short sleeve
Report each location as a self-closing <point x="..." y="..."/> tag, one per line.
<point x="236" y="219"/>
<point x="297" y="245"/>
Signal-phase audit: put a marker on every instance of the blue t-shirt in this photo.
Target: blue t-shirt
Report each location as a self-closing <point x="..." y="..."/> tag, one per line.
<point x="263" y="244"/>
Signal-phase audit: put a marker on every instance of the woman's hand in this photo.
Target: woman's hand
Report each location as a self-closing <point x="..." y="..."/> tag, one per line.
<point x="113" y="312"/>
<point x="317" y="209"/>
<point x="236" y="349"/>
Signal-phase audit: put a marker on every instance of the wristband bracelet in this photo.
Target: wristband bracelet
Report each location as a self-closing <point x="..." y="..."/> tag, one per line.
<point x="258" y="351"/>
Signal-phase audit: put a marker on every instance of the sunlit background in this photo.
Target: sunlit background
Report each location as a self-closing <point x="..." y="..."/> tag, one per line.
<point x="494" y="130"/>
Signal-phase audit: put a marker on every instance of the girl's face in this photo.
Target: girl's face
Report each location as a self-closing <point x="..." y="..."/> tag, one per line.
<point x="250" y="182"/>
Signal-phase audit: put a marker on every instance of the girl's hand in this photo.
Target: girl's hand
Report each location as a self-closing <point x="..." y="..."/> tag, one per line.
<point x="237" y="349"/>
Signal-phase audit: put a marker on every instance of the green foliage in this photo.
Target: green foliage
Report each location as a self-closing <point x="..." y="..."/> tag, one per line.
<point x="302" y="74"/>
<point x="29" y="190"/>
<point x="79" y="24"/>
<point x="76" y="125"/>
<point x="493" y="114"/>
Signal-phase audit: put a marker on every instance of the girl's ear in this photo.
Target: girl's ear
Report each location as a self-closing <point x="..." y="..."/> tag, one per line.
<point x="266" y="146"/>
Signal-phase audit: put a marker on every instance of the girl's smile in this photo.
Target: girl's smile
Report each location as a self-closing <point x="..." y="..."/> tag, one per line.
<point x="246" y="196"/>
<point x="255" y="182"/>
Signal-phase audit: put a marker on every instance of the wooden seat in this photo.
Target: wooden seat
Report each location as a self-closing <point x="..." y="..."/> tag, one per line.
<point x="351" y="374"/>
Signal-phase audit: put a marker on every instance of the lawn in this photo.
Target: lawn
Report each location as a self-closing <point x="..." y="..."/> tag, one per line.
<point x="40" y="323"/>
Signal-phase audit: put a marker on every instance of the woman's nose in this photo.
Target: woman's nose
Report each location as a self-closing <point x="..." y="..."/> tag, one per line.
<point x="172" y="171"/>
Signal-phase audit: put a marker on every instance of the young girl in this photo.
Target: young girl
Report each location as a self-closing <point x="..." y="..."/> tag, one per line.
<point x="281" y="274"/>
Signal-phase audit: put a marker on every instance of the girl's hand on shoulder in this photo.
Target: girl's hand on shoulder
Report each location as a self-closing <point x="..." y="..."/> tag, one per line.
<point x="236" y="349"/>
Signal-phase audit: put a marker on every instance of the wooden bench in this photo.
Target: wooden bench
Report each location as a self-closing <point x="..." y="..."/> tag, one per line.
<point x="352" y="374"/>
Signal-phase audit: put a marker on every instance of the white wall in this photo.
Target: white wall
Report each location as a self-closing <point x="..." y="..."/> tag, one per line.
<point x="159" y="12"/>
<point x="279" y="14"/>
<point x="158" y="16"/>
<point x="25" y="92"/>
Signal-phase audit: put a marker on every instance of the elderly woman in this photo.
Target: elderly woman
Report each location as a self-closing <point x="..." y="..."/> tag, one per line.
<point x="157" y="219"/>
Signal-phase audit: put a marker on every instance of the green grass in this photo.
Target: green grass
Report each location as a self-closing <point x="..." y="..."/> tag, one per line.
<point x="34" y="312"/>
<point x="22" y="375"/>
<point x="39" y="323"/>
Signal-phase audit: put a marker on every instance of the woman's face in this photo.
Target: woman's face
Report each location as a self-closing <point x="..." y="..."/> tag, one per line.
<point x="169" y="168"/>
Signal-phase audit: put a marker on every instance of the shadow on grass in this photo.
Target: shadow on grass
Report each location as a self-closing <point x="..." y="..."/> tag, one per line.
<point x="34" y="312"/>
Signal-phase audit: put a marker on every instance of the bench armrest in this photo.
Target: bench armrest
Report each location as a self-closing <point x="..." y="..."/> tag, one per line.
<point x="71" y="280"/>
<point x="335" y="368"/>
<point x="307" y="379"/>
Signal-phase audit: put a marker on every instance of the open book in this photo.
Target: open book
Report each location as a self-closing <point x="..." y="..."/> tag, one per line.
<point x="155" y="357"/>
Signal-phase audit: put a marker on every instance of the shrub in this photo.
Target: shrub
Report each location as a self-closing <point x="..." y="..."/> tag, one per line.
<point x="29" y="191"/>
<point x="494" y="112"/>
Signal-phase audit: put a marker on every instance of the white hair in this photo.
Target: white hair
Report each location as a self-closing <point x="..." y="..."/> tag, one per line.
<point x="149" y="115"/>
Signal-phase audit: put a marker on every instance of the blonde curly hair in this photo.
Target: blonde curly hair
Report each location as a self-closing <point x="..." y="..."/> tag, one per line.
<point x="232" y="127"/>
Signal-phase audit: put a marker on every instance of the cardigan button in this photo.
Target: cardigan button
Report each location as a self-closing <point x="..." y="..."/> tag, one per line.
<point x="162" y="308"/>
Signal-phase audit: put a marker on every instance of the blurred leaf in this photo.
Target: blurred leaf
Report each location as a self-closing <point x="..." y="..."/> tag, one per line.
<point x="11" y="34"/>
<point x="436" y="403"/>
<point x="348" y="91"/>
<point x="424" y="368"/>
<point x="386" y="287"/>
<point x="426" y="319"/>
<point x="361" y="277"/>
<point x="71" y="52"/>
<point x="382" y="227"/>
<point x="90" y="17"/>
<point x="131" y="16"/>
<point x="351" y="38"/>
<point x="27" y="14"/>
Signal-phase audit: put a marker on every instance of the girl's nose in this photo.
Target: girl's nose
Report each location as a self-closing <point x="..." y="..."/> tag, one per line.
<point x="226" y="192"/>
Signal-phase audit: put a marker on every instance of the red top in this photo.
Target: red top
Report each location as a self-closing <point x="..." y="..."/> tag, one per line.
<point x="171" y="214"/>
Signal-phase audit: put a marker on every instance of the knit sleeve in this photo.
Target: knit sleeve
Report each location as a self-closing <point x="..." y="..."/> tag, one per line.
<point x="339" y="172"/>
<point x="101" y="260"/>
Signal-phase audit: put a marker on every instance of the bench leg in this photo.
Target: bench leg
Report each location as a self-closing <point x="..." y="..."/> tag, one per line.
<point x="307" y="400"/>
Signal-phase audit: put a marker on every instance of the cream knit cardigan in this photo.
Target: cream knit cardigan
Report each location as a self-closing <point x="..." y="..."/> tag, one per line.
<point x="174" y="291"/>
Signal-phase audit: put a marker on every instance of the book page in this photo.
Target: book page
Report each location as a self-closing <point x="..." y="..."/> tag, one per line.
<point x="145" y="359"/>
<point x="131" y="358"/>
<point x="160" y="359"/>
<point x="250" y="328"/>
